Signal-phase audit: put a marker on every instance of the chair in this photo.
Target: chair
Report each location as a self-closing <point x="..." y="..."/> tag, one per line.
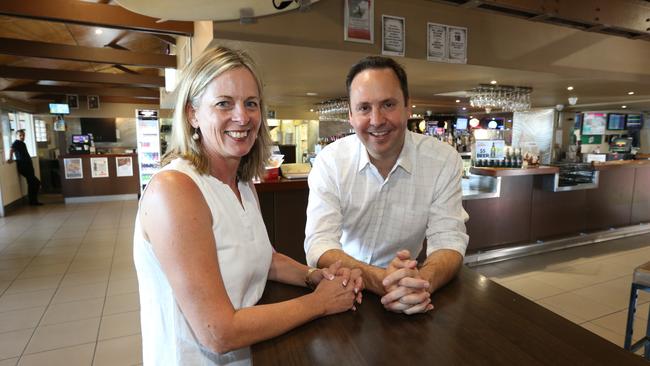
<point x="640" y="281"/>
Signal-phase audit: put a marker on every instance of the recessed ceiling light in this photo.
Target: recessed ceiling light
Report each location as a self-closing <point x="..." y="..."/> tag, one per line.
<point x="413" y="106"/>
<point x="98" y="31"/>
<point x="464" y="108"/>
<point x="470" y="117"/>
<point x="569" y="88"/>
<point x="623" y="106"/>
<point x="312" y="94"/>
<point x="493" y="82"/>
<point x="311" y="110"/>
<point x="457" y="100"/>
<point x="630" y="93"/>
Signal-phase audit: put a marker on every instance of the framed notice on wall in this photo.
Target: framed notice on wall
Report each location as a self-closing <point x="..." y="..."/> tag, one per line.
<point x="73" y="168"/>
<point x="359" y="21"/>
<point x="393" y="35"/>
<point x="99" y="167"/>
<point x="124" y="166"/>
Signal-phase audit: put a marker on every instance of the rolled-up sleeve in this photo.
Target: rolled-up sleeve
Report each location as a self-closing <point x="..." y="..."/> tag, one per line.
<point x="324" y="218"/>
<point x="446" y="223"/>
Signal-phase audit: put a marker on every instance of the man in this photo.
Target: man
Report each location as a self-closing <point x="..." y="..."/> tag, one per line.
<point x="25" y="167"/>
<point x="374" y="196"/>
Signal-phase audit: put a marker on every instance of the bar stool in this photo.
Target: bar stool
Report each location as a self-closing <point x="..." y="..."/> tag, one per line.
<point x="640" y="281"/>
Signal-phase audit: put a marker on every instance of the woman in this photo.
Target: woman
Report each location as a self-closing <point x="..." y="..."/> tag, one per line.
<point x="201" y="250"/>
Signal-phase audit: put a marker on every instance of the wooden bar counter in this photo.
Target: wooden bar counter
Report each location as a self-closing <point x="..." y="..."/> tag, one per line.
<point x="475" y="322"/>
<point x="100" y="187"/>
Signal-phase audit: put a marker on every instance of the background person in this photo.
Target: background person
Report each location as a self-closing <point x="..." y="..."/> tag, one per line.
<point x="201" y="250"/>
<point x="375" y="195"/>
<point x="25" y="167"/>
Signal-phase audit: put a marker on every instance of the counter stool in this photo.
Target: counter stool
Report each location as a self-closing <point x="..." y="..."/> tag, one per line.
<point x="640" y="281"/>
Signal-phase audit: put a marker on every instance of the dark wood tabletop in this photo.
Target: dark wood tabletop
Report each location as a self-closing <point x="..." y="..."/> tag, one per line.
<point x="475" y="322"/>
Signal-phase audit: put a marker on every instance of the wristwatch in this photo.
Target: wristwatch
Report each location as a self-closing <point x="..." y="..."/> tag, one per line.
<point x="308" y="282"/>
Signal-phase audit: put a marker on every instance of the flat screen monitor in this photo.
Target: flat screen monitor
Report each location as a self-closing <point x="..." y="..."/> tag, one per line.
<point x="59" y="108"/>
<point x="80" y="139"/>
<point x="594" y="123"/>
<point x="634" y="121"/>
<point x="621" y="145"/>
<point x="461" y="123"/>
<point x="577" y="121"/>
<point x="615" y="121"/>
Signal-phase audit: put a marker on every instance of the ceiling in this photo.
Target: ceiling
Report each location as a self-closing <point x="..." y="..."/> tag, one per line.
<point x="289" y="71"/>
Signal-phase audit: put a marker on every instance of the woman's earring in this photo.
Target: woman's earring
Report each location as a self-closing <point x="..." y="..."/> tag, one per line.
<point x="196" y="135"/>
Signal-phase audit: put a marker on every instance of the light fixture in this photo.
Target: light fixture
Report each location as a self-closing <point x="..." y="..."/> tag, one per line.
<point x="569" y="88"/>
<point x="630" y="93"/>
<point x="492" y="124"/>
<point x="98" y="31"/>
<point x="573" y="100"/>
<point x="311" y="109"/>
<point x="505" y="97"/>
<point x="457" y="100"/>
<point x="464" y="108"/>
<point x="413" y="106"/>
<point x="474" y="122"/>
<point x="623" y="106"/>
<point x="311" y="94"/>
<point x="493" y="82"/>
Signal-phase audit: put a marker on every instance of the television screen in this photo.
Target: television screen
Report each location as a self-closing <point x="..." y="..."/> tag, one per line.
<point x="102" y="129"/>
<point x="577" y="121"/>
<point x="615" y="121"/>
<point x="80" y="139"/>
<point x="634" y="121"/>
<point x="461" y="123"/>
<point x="59" y="108"/>
<point x="594" y="123"/>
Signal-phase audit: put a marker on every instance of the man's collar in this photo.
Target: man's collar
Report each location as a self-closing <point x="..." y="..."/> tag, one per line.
<point x="405" y="159"/>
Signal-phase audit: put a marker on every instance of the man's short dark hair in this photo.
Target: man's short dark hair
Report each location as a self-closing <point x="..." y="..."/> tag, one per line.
<point x="379" y="62"/>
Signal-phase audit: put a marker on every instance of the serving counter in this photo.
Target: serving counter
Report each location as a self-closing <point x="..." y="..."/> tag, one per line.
<point x="99" y="177"/>
<point x="475" y="322"/>
<point x="507" y="207"/>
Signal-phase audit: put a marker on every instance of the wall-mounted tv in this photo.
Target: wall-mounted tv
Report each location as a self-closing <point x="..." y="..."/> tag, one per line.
<point x="461" y="123"/>
<point x="102" y="129"/>
<point x="615" y="121"/>
<point x="80" y="139"/>
<point x="59" y="108"/>
<point x="634" y="121"/>
<point x="594" y="123"/>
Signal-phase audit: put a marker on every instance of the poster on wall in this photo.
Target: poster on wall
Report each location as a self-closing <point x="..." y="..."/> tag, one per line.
<point x="594" y="123"/>
<point x="591" y="139"/>
<point x="148" y="143"/>
<point x="124" y="166"/>
<point x="436" y="42"/>
<point x="359" y="21"/>
<point x="73" y="168"/>
<point x="457" y="42"/>
<point x="393" y="35"/>
<point x="99" y="167"/>
<point x="490" y="149"/>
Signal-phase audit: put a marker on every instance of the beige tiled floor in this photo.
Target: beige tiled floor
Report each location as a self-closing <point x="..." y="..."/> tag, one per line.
<point x="68" y="289"/>
<point x="588" y="285"/>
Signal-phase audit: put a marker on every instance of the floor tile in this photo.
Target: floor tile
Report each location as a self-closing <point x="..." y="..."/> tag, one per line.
<point x="77" y="293"/>
<point x="124" y="286"/>
<point x="120" y="325"/>
<point x="25" y="300"/>
<point x="617" y="323"/>
<point x="605" y="333"/>
<point x="75" y="310"/>
<point x="122" y="303"/>
<point x="13" y="343"/>
<point x="579" y="306"/>
<point x="20" y="319"/>
<point x="123" y="351"/>
<point x="34" y="284"/>
<point x="9" y="362"/>
<point x="532" y="288"/>
<point x="84" y="278"/>
<point x="46" y="270"/>
<point x="81" y="355"/>
<point x="55" y="336"/>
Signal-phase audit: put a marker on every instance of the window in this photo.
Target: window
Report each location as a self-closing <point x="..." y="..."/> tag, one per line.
<point x="40" y="130"/>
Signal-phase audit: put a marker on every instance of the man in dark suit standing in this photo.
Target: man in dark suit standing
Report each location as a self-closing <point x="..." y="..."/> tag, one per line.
<point x="25" y="167"/>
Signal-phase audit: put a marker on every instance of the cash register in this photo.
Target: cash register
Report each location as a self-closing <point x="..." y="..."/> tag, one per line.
<point x="619" y="148"/>
<point x="80" y="144"/>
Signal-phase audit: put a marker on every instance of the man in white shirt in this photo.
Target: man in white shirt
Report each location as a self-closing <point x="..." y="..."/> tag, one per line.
<point x="374" y="196"/>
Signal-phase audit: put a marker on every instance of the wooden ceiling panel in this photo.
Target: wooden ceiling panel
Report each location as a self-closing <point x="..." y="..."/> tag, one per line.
<point x="32" y="30"/>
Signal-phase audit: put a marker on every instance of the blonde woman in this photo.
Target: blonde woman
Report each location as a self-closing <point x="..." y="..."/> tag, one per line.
<point x="201" y="250"/>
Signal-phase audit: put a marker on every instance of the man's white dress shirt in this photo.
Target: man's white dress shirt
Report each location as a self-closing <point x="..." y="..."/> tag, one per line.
<point x="351" y="207"/>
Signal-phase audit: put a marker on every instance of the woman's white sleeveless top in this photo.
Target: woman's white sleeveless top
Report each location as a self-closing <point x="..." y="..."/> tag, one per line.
<point x="244" y="254"/>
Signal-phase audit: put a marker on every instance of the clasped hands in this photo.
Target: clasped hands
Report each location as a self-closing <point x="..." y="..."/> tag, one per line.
<point x="406" y="291"/>
<point x="350" y="279"/>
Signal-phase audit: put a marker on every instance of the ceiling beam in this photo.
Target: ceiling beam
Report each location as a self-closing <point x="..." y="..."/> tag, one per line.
<point x="102" y="100"/>
<point x="18" y="47"/>
<point x="29" y="73"/>
<point x="93" y="14"/>
<point x="63" y="89"/>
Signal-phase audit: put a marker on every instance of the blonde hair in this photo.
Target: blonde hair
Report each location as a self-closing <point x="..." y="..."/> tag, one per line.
<point x="210" y="64"/>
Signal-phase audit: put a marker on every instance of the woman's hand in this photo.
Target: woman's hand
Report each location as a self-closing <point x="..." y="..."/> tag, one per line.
<point x="334" y="297"/>
<point x="347" y="275"/>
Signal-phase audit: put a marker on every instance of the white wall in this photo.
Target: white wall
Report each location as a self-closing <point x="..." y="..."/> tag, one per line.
<point x="12" y="185"/>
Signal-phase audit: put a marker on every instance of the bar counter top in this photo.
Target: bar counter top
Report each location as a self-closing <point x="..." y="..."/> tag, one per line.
<point x="281" y="184"/>
<point x="475" y="321"/>
<point x="511" y="172"/>
<point x="613" y="164"/>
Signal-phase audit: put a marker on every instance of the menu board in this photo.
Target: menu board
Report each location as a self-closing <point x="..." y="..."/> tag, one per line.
<point x="490" y="149"/>
<point x="148" y="142"/>
<point x="594" y="123"/>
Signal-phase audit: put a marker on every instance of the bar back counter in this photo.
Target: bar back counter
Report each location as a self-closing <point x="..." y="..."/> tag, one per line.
<point x="507" y="207"/>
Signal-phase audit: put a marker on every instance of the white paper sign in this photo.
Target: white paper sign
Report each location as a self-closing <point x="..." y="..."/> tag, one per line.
<point x="490" y="149"/>
<point x="457" y="42"/>
<point x="393" y="35"/>
<point x="124" y="166"/>
<point x="99" y="167"/>
<point x="436" y="42"/>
